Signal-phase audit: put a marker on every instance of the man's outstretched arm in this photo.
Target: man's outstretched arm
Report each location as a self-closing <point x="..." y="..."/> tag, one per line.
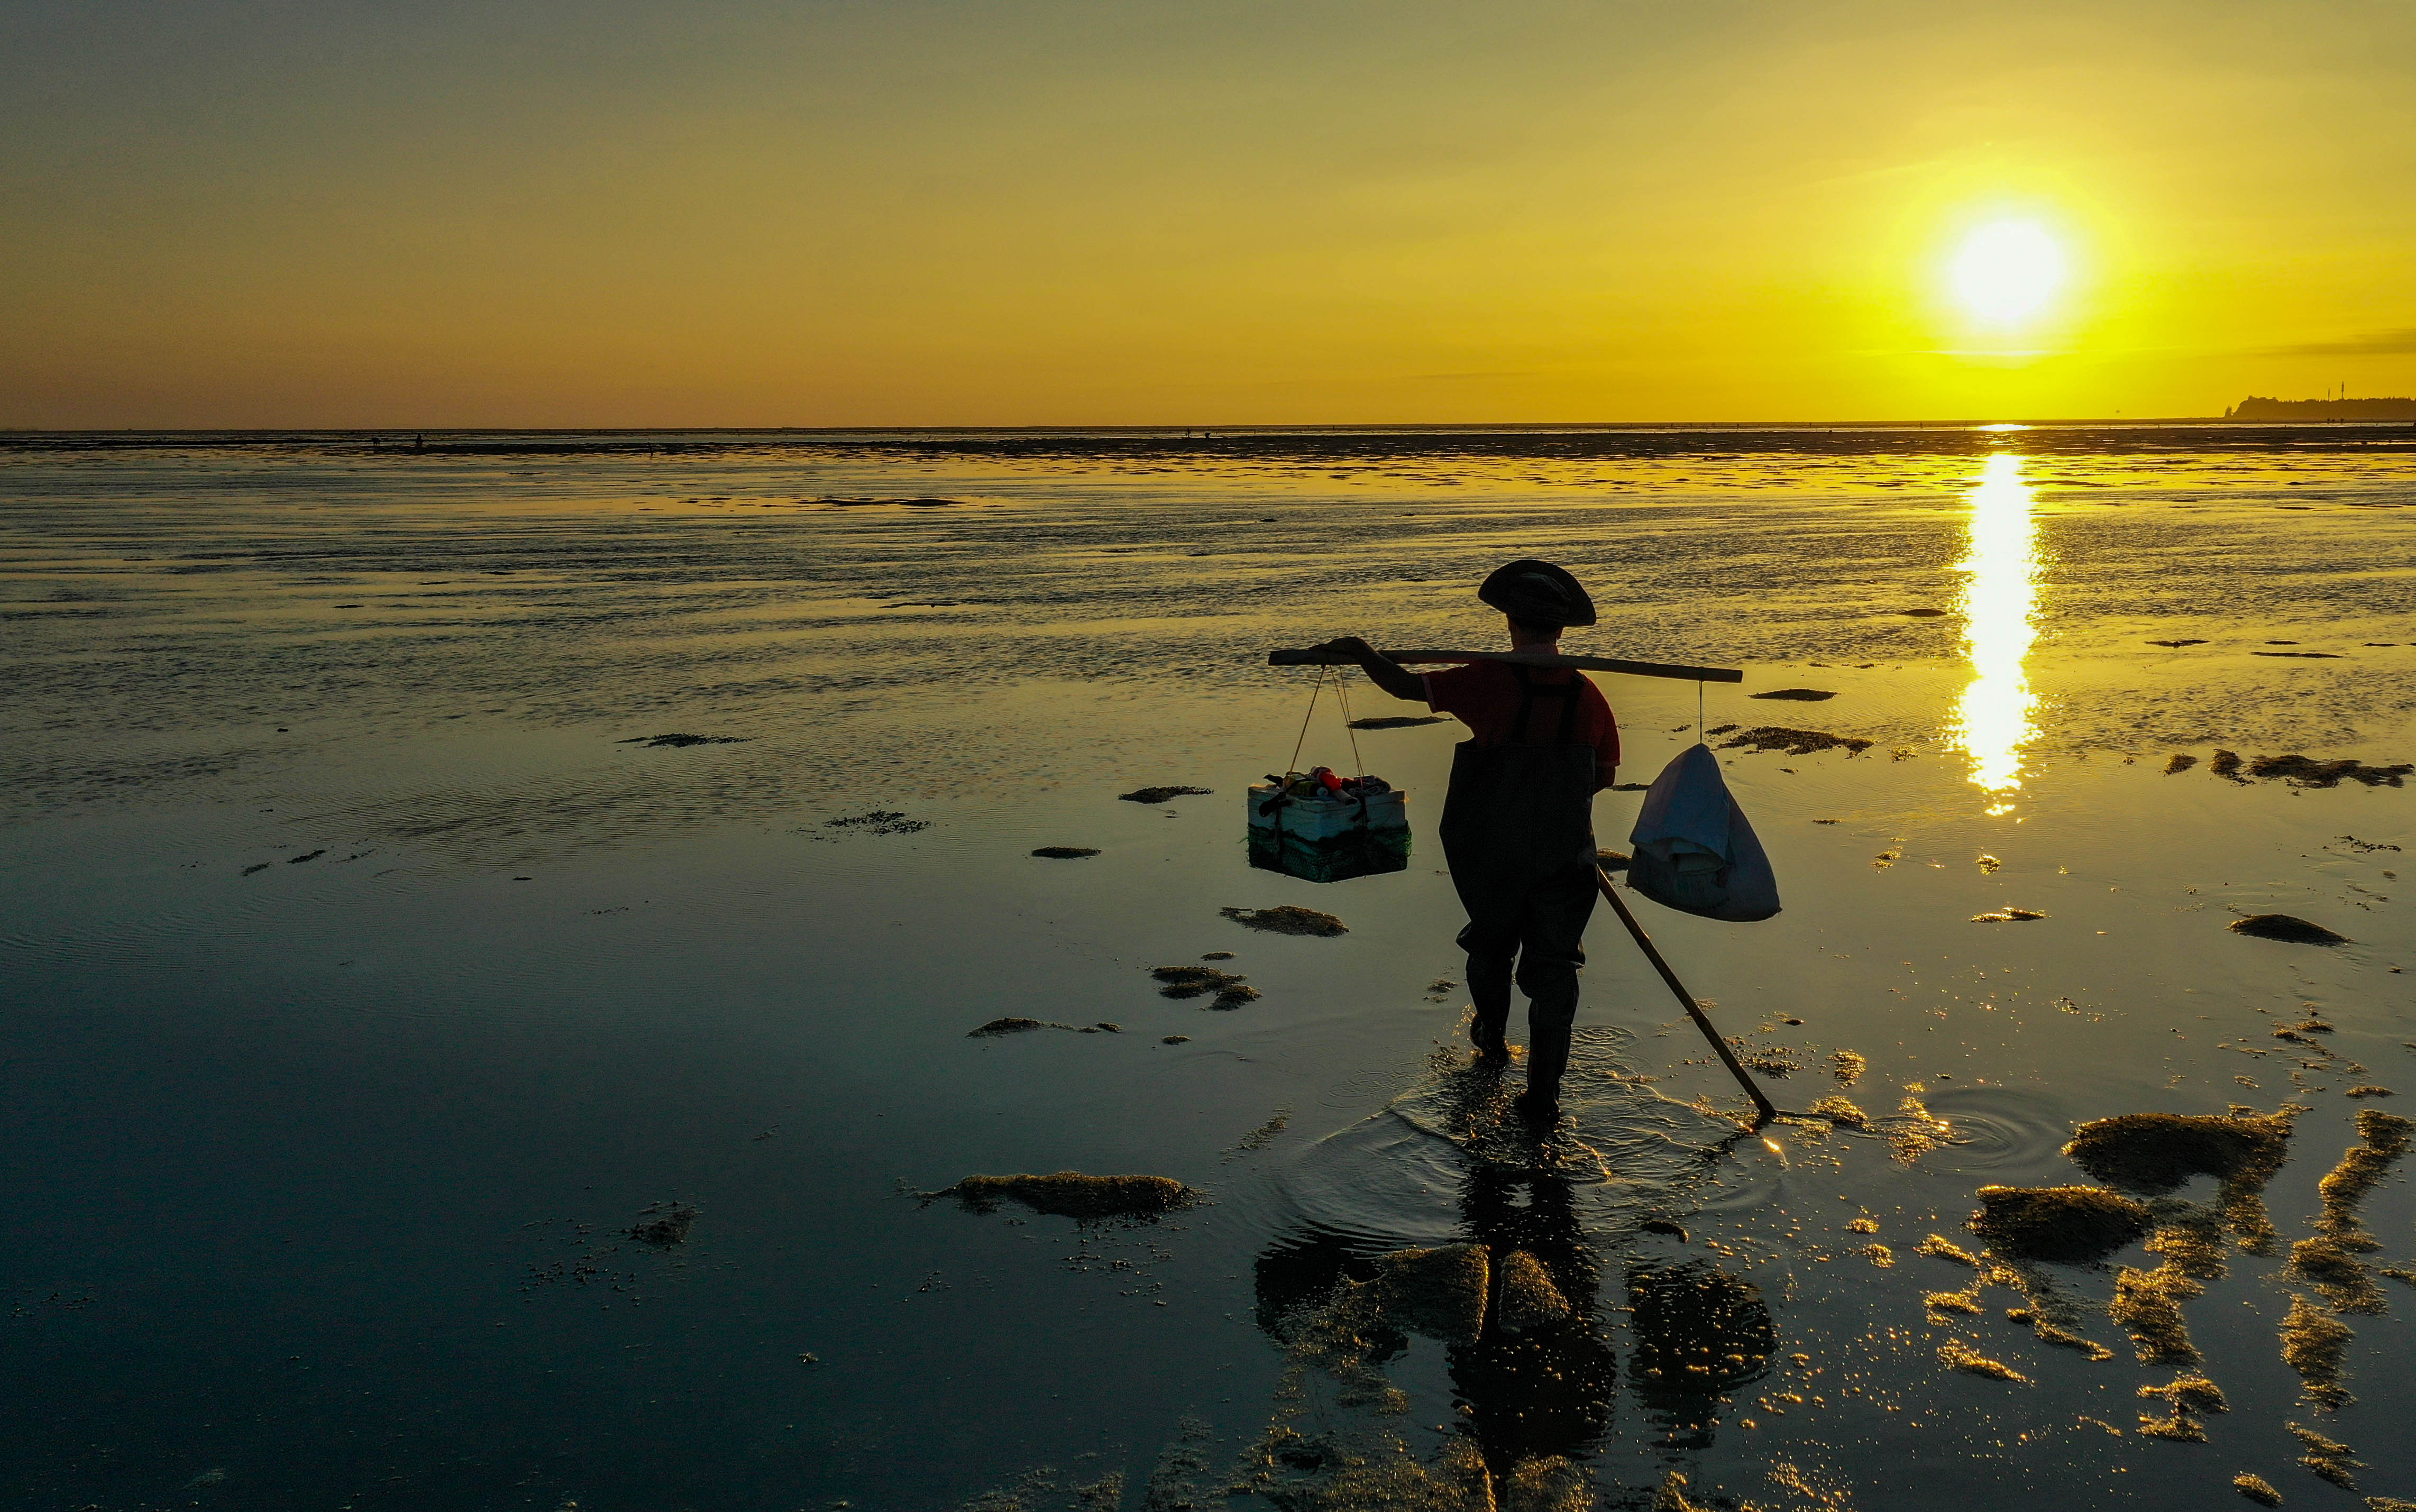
<point x="1391" y="676"/>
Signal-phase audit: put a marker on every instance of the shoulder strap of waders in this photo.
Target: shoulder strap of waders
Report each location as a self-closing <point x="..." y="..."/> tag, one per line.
<point x="1530" y="691"/>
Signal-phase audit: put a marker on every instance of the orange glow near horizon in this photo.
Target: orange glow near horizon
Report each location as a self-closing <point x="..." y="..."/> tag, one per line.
<point x="1071" y="213"/>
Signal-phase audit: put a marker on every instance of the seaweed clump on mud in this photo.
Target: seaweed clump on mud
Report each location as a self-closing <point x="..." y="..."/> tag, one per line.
<point x="677" y="741"/>
<point x="1070" y="1194"/>
<point x="1162" y="795"/>
<point x="1795" y="742"/>
<point x="2329" y="1259"/>
<point x="1841" y="1111"/>
<point x="1699" y="1329"/>
<point x="1796" y="695"/>
<point x="1528" y="1299"/>
<point x="2314" y="1344"/>
<point x="663" y="1225"/>
<point x="1288" y="918"/>
<point x="2177" y="1425"/>
<point x="998" y="1028"/>
<point x="2068" y="1225"/>
<point x="1185" y="982"/>
<point x="2155" y="1153"/>
<point x="1064" y="852"/>
<point x="1398" y="721"/>
<point x="2329" y="1459"/>
<point x="1957" y="1355"/>
<point x="879" y="822"/>
<point x="1439" y="1292"/>
<point x="2257" y="1489"/>
<point x="2307" y="772"/>
<point x="2287" y="927"/>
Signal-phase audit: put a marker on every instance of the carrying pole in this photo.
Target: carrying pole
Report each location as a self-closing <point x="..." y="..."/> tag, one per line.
<point x="1318" y="657"/>
<point x="1687" y="1000"/>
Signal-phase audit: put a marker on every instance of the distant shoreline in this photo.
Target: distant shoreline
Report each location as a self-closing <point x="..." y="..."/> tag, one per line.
<point x="401" y="437"/>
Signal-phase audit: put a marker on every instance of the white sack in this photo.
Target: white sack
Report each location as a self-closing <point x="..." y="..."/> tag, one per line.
<point x="1694" y="850"/>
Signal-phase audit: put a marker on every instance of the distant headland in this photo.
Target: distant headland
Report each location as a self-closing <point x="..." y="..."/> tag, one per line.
<point x="2322" y="409"/>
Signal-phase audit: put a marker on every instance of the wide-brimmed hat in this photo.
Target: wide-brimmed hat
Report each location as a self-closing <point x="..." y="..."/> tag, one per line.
<point x="1539" y="593"/>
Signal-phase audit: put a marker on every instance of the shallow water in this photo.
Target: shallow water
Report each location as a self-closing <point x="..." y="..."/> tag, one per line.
<point x="365" y="976"/>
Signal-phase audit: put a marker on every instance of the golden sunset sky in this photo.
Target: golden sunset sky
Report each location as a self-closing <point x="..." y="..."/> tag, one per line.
<point x="894" y="212"/>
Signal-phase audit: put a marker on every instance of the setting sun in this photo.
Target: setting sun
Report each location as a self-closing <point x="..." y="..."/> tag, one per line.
<point x="2007" y="271"/>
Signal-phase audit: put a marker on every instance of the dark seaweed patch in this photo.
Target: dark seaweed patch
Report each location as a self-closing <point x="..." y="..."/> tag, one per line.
<point x="2286" y="927"/>
<point x="1064" y="852"/>
<point x="651" y="742"/>
<point x="1796" y="695"/>
<point x="1287" y="919"/>
<point x="2070" y="1225"/>
<point x="1072" y="1195"/>
<point x="2155" y="1153"/>
<point x="1795" y="742"/>
<point x="2307" y="772"/>
<point x="1162" y="795"/>
<point x="879" y="822"/>
<point x="663" y="1225"/>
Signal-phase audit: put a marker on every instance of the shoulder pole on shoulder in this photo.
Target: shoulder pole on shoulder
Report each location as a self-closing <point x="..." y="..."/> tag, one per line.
<point x="1687" y="1000"/>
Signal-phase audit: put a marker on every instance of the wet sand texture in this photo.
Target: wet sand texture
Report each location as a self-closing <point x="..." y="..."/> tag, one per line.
<point x="1072" y="1195"/>
<point x="2068" y="1225"/>
<point x="1064" y="853"/>
<point x="2287" y="927"/>
<point x="1162" y="795"/>
<point x="1796" y="695"/>
<point x="1795" y="742"/>
<point x="1287" y="919"/>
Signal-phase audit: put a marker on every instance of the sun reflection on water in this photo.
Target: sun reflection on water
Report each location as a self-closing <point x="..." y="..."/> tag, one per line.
<point x="2000" y="567"/>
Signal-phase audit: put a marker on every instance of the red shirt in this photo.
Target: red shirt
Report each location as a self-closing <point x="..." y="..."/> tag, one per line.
<point x="1484" y="696"/>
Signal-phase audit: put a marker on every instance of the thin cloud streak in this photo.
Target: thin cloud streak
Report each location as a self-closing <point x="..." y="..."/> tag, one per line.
<point x="2398" y="344"/>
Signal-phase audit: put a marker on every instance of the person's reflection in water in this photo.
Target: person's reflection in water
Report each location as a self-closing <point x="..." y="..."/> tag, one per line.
<point x="1538" y="1380"/>
<point x="1700" y="1334"/>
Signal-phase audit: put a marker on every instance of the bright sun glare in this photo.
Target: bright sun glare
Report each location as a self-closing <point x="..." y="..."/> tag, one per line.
<point x="2006" y="271"/>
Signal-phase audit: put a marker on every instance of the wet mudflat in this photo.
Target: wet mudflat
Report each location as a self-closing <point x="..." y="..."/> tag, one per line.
<point x="569" y="1128"/>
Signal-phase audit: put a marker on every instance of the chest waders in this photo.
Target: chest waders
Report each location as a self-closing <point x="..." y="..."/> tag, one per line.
<point x="1517" y="831"/>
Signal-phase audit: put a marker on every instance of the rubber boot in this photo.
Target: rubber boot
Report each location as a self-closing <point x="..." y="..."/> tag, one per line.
<point x="1489" y="989"/>
<point x="1550" y="1015"/>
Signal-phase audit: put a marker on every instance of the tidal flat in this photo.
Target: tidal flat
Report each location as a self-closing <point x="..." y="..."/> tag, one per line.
<point x="503" y="948"/>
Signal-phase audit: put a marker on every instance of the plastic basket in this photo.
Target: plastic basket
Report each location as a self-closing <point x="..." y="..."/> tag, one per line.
<point x="1328" y="838"/>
